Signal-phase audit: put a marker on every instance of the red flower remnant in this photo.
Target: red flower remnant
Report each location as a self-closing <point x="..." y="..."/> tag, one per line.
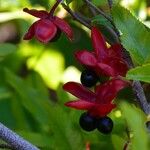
<point x="105" y="61"/>
<point x="45" y="29"/>
<point x="87" y="145"/>
<point x="98" y="103"/>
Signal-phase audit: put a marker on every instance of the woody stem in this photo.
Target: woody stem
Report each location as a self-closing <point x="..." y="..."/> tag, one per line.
<point x="77" y="16"/>
<point x="110" y="3"/>
<point x="54" y="7"/>
<point x="90" y="4"/>
<point x="14" y="140"/>
<point x="87" y="22"/>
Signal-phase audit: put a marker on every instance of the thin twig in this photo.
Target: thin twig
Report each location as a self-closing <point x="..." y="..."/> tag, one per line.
<point x="86" y="19"/>
<point x="99" y="11"/>
<point x="104" y="15"/>
<point x="76" y="16"/>
<point x="140" y="96"/>
<point x="87" y="23"/>
<point x="14" y="140"/>
<point x="55" y="6"/>
<point x="91" y="9"/>
<point x="110" y="3"/>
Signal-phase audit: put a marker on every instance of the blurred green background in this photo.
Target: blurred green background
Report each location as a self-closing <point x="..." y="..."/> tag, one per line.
<point x="32" y="75"/>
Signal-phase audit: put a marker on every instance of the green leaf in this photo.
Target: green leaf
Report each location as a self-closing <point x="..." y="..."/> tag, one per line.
<point x="99" y="2"/>
<point x="4" y="93"/>
<point x="141" y="73"/>
<point x="135" y="35"/>
<point x="117" y="141"/>
<point x="62" y="95"/>
<point x="18" y="112"/>
<point x="6" y="49"/>
<point x="37" y="139"/>
<point x="136" y="122"/>
<point x="77" y="4"/>
<point x="30" y="99"/>
<point x="68" y="1"/>
<point x="44" y="3"/>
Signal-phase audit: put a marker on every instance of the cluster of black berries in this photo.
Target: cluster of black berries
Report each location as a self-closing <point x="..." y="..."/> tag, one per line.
<point x="87" y="122"/>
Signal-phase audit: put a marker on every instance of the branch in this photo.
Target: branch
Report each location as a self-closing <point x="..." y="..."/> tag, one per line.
<point x="91" y="5"/>
<point x="110" y="3"/>
<point x="91" y="9"/>
<point x="99" y="11"/>
<point x="55" y="6"/>
<point x="76" y="16"/>
<point x="14" y="140"/>
<point x="87" y="22"/>
<point x="82" y="17"/>
<point x="140" y="96"/>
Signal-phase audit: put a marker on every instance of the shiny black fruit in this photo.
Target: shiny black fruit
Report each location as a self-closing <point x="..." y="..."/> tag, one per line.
<point x="87" y="122"/>
<point x="105" y="125"/>
<point x="88" y="78"/>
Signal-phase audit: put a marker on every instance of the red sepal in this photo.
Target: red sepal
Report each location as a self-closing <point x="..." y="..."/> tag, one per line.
<point x="105" y="61"/>
<point x="101" y="110"/>
<point x="45" y="30"/>
<point x="105" y="70"/>
<point x="108" y="91"/>
<point x="115" y="51"/>
<point x="86" y="58"/>
<point x="98" y="103"/>
<point x="79" y="91"/>
<point x="80" y="104"/>
<point x="64" y="27"/>
<point x="36" y="13"/>
<point x="119" y="66"/>
<point x="99" y="44"/>
<point x="31" y="32"/>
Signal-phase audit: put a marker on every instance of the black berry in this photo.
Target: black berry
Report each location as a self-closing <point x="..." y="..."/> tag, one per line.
<point x="57" y="36"/>
<point x="105" y="125"/>
<point x="88" y="78"/>
<point x="87" y="122"/>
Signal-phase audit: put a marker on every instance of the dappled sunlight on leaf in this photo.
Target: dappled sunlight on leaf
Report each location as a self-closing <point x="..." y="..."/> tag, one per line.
<point x="50" y="65"/>
<point x="135" y="120"/>
<point x="71" y="74"/>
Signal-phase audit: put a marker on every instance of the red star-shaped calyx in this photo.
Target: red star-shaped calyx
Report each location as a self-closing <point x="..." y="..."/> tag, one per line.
<point x="105" y="61"/>
<point x="46" y="28"/>
<point x="98" y="103"/>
